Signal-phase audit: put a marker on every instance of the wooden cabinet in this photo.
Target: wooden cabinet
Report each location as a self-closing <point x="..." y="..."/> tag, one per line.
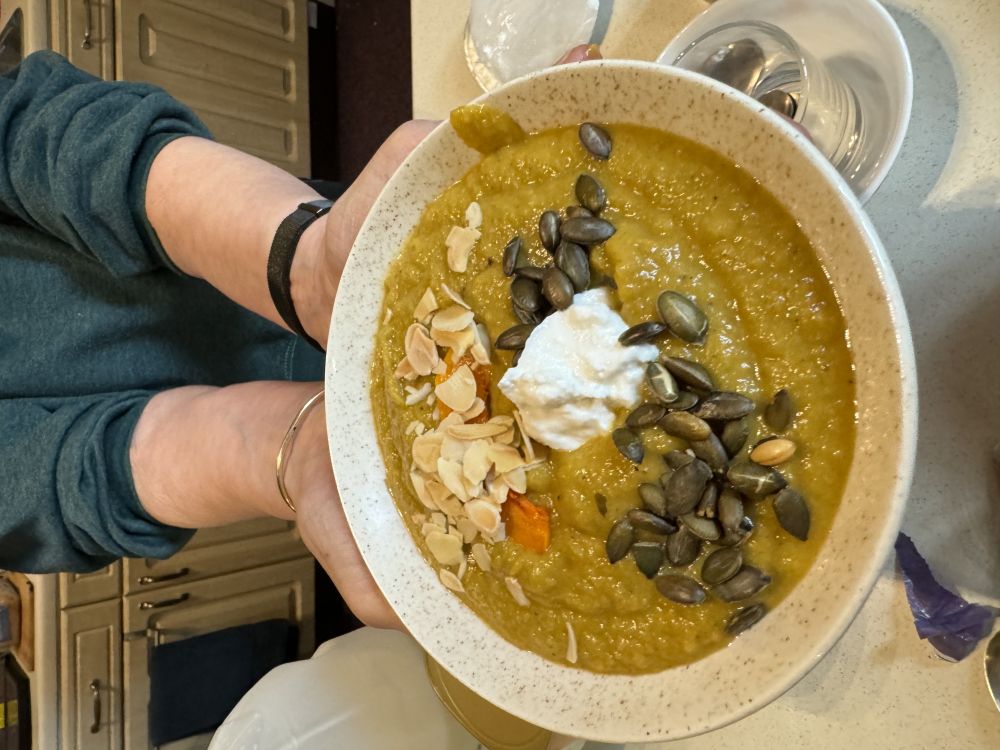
<point x="84" y="588"/>
<point x="91" y="676"/>
<point x="241" y="65"/>
<point x="284" y="590"/>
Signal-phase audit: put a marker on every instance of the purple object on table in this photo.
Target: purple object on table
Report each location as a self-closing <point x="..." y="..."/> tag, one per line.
<point x="952" y="625"/>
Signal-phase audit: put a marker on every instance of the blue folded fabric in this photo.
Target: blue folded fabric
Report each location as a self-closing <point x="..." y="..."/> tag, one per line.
<point x="195" y="683"/>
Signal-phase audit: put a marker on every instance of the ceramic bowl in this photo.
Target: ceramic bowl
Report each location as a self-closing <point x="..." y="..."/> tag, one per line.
<point x="763" y="662"/>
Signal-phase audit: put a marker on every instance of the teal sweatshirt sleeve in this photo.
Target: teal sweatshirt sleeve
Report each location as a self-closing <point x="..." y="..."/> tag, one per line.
<point x="75" y="152"/>
<point x="70" y="502"/>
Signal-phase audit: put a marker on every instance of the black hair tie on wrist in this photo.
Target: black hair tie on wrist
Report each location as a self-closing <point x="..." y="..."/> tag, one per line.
<point x="279" y="262"/>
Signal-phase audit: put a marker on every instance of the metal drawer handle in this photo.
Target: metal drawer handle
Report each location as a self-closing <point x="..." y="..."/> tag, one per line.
<point x="165" y="603"/>
<point x="86" y="25"/>
<point x="149" y="580"/>
<point x="95" y="692"/>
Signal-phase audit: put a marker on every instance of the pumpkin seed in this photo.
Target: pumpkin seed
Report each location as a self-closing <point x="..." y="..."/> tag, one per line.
<point x="683" y="317"/>
<point x="733" y="538"/>
<point x="516" y="358"/>
<point x="755" y="480"/>
<point x="646" y="521"/>
<point x="535" y="273"/>
<point x="641" y="333"/>
<point x="724" y="405"/>
<point x="590" y="193"/>
<point x="648" y="557"/>
<point x="653" y="498"/>
<point x="587" y="230"/>
<point x="721" y="565"/>
<point x="645" y="415"/>
<point x="661" y="382"/>
<point x="557" y="288"/>
<point x="620" y="539"/>
<point x="683" y="547"/>
<point x="572" y="211"/>
<point x="729" y="509"/>
<point x="629" y="444"/>
<point x="514" y="337"/>
<point x="685" y="425"/>
<point x="680" y="589"/>
<point x="734" y="435"/>
<point x="711" y="451"/>
<point x="792" y="512"/>
<point x="773" y="452"/>
<point x="511" y="255"/>
<point x="677" y="459"/>
<point x="778" y="414"/>
<point x="686" y="486"/>
<point x="530" y="317"/>
<point x="709" y="501"/>
<point x="703" y="528"/>
<point x="747" y="582"/>
<point x="595" y="139"/>
<point x="602" y="503"/>
<point x="745" y="618"/>
<point x="548" y="230"/>
<point x="573" y="261"/>
<point x="526" y="294"/>
<point x="686" y="400"/>
<point x="690" y="373"/>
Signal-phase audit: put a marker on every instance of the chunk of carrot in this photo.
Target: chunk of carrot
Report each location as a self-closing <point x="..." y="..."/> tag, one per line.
<point x="481" y="373"/>
<point x="526" y="523"/>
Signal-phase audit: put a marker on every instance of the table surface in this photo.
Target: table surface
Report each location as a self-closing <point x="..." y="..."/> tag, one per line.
<point x="938" y="213"/>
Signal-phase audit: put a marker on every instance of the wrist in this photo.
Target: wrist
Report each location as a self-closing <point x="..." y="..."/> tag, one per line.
<point x="312" y="293"/>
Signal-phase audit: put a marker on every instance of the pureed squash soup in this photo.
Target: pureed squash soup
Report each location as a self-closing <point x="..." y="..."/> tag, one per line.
<point x="658" y="539"/>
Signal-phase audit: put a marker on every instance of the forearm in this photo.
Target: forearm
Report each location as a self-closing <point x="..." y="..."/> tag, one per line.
<point x="216" y="210"/>
<point x="206" y="456"/>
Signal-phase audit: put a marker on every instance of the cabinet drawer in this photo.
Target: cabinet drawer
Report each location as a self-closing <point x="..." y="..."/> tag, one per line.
<point x="91" y="676"/>
<point x="284" y="590"/>
<point x="215" y="552"/>
<point x="84" y="32"/>
<point x="84" y="588"/>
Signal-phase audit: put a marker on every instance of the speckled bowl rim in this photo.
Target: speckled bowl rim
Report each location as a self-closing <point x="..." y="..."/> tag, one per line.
<point x="767" y="660"/>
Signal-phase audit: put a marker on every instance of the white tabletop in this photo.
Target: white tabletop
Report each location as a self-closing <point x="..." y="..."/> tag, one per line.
<point x="938" y="213"/>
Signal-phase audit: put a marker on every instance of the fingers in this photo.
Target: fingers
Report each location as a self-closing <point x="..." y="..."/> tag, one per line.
<point x="580" y="53"/>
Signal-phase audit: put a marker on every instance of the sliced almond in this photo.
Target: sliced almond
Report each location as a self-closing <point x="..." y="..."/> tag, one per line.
<point x="480" y="350"/>
<point x="411" y="428"/>
<point x="458" y="341"/>
<point x="446" y="549"/>
<point x="450" y="580"/>
<point x="474" y="431"/>
<point x="453" y="318"/>
<point x="421" y="428"/>
<point x="458" y="391"/>
<point x="455" y="296"/>
<point x="419" y="394"/>
<point x="452" y="419"/>
<point x="451" y="477"/>
<point x="462" y="568"/>
<point x="482" y="557"/>
<point x="426" y="451"/>
<point x="419" y="518"/>
<point x="500" y="535"/>
<point x="387" y="317"/>
<point x="474" y="215"/>
<point x="440" y="519"/>
<point x="460" y="242"/>
<point x="454" y="449"/>
<point x="506" y="458"/>
<point x="505" y="419"/>
<point x="507" y="438"/>
<point x="477" y="408"/>
<point x="476" y="462"/>
<point x="440" y="368"/>
<point x="570" y="643"/>
<point x="514" y="587"/>
<point x="484" y="514"/>
<point x="452" y="506"/>
<point x="498" y="492"/>
<point x="426" y="305"/>
<point x="428" y="527"/>
<point x="468" y="529"/>
<point x="529" y="449"/>
<point x="517" y="480"/>
<point x="420" y="487"/>
<point x="404" y="370"/>
<point x="421" y="350"/>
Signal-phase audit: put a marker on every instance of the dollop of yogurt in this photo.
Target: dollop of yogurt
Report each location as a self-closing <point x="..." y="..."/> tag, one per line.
<point x="573" y="374"/>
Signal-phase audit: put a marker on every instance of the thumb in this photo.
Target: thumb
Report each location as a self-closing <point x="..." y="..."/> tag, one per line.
<point x="580" y="53"/>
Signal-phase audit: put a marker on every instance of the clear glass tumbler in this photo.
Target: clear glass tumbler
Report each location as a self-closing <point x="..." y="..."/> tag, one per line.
<point x="764" y="62"/>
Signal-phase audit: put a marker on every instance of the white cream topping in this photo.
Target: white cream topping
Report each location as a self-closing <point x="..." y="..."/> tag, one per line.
<point x="573" y="374"/>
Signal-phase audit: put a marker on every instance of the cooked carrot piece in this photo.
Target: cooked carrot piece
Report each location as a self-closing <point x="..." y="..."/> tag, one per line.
<point x="526" y="523"/>
<point x="482" y="375"/>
